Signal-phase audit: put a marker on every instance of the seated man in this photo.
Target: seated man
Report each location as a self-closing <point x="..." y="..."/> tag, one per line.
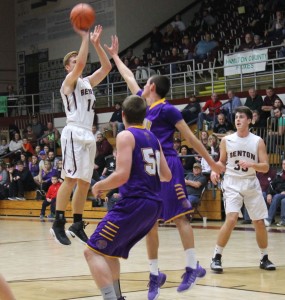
<point x="115" y="122"/>
<point x="191" y="110"/>
<point x="276" y="197"/>
<point x="195" y="182"/>
<point x="222" y="127"/>
<point x="20" y="180"/>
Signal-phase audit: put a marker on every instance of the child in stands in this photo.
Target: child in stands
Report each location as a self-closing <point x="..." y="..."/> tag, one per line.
<point x="50" y="198"/>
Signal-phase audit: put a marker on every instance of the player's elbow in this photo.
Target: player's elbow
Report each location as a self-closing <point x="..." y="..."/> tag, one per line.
<point x="166" y="176"/>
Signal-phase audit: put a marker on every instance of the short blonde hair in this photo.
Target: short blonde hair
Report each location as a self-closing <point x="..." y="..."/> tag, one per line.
<point x="67" y="57"/>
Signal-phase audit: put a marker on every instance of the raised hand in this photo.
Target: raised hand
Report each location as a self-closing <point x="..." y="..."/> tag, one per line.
<point x="114" y="48"/>
<point x="96" y="35"/>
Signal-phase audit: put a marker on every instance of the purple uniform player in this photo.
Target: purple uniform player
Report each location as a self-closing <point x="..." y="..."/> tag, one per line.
<point x="163" y="121"/>
<point x="140" y="168"/>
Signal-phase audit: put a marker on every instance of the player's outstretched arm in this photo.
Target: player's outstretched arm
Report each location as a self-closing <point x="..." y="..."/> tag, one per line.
<point x="71" y="78"/>
<point x="126" y="73"/>
<point x="106" y="66"/>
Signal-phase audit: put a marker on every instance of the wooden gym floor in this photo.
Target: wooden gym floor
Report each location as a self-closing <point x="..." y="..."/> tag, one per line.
<point x="37" y="268"/>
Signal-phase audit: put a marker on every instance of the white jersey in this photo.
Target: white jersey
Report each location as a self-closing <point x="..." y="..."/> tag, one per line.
<point x="80" y="105"/>
<point x="241" y="148"/>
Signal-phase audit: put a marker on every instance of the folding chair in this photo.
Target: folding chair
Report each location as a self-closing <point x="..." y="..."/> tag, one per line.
<point x="196" y="207"/>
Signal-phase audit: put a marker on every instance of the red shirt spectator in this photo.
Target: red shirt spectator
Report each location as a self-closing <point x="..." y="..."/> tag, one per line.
<point x="52" y="190"/>
<point x="213" y="105"/>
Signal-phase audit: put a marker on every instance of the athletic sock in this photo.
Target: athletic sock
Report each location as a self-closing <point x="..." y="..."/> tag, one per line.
<point x="108" y="293"/>
<point x="263" y="252"/>
<point x="59" y="215"/>
<point x="218" y="250"/>
<point x="153" y="266"/>
<point x="77" y="218"/>
<point x="117" y="288"/>
<point x="191" y="258"/>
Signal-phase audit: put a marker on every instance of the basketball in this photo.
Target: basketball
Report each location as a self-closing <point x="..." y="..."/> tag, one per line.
<point x="82" y="16"/>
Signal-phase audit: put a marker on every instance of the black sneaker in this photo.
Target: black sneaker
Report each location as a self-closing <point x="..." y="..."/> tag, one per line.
<point x="58" y="232"/>
<point x="216" y="264"/>
<point x="76" y="230"/>
<point x="266" y="264"/>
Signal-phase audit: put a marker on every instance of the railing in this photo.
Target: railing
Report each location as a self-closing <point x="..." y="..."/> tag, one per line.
<point x="188" y="80"/>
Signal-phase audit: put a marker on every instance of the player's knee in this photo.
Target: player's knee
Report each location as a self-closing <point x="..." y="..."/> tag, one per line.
<point x="88" y="254"/>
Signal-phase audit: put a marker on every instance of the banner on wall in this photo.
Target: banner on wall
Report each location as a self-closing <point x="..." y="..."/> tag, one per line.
<point x="245" y="62"/>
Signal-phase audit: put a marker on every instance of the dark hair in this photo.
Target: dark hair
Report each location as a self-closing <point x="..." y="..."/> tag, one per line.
<point x="162" y="84"/>
<point x="245" y="110"/>
<point x="134" y="108"/>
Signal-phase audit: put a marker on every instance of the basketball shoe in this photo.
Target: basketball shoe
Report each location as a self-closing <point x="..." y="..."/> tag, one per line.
<point x="76" y="230"/>
<point x="155" y="282"/>
<point x="216" y="264"/>
<point x="190" y="277"/>
<point x="58" y="232"/>
<point x="266" y="264"/>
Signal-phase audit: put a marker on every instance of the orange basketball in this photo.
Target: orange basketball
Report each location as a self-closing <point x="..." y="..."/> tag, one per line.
<point x="82" y="16"/>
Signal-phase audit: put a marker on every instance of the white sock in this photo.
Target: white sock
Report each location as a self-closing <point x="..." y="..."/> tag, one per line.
<point x="218" y="250"/>
<point x="153" y="266"/>
<point x="191" y="258"/>
<point x="263" y="252"/>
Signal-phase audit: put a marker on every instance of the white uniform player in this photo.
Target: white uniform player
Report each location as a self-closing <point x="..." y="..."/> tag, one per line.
<point x="242" y="154"/>
<point x="77" y="140"/>
<point x="240" y="184"/>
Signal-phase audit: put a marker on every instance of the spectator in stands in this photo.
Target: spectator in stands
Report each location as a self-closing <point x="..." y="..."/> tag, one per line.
<point x="268" y="102"/>
<point x="222" y="127"/>
<point x="112" y="197"/>
<point x="110" y="165"/>
<point x="38" y="150"/>
<point x="42" y="158"/>
<point x="281" y="52"/>
<point x="51" y="157"/>
<point x="24" y="160"/>
<point x="45" y="175"/>
<point x="21" y="180"/>
<point x="116" y="122"/>
<point x="12" y="130"/>
<point x="256" y="121"/>
<point x="34" y="166"/>
<point x="27" y="148"/>
<point x="257" y="42"/>
<point x="275" y="136"/>
<point x="52" y="138"/>
<point x="191" y="111"/>
<point x="195" y="183"/>
<point x="177" y="144"/>
<point x="50" y="198"/>
<point x="30" y="136"/>
<point x="178" y="24"/>
<point x="15" y="146"/>
<point x="4" y="147"/>
<point x="213" y="106"/>
<point x="208" y="20"/>
<point x="3" y="181"/>
<point x="229" y="107"/>
<point x="264" y="180"/>
<point x="260" y="19"/>
<point x="37" y="127"/>
<point x="187" y="162"/>
<point x="156" y="40"/>
<point x="172" y="60"/>
<point x="214" y="146"/>
<point x="254" y="101"/>
<point x="278" y="103"/>
<point x="204" y="47"/>
<point x="187" y="45"/>
<point x="248" y="42"/>
<point x="103" y="149"/>
<point x="95" y="131"/>
<point x="276" y="31"/>
<point x="171" y="38"/>
<point x="276" y="198"/>
<point x="155" y="66"/>
<point x="204" y="138"/>
<point x="46" y="149"/>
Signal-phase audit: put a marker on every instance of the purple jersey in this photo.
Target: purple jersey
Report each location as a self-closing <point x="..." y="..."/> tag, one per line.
<point x="161" y="118"/>
<point x="136" y="213"/>
<point x="144" y="180"/>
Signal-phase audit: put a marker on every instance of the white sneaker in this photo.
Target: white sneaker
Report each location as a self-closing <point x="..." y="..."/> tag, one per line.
<point x="267" y="223"/>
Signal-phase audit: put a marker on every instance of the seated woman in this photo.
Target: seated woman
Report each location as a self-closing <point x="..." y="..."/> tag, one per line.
<point x="214" y="146"/>
<point x="187" y="162"/>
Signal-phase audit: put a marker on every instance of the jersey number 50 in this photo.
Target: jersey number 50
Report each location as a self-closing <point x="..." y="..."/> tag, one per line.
<point x="152" y="161"/>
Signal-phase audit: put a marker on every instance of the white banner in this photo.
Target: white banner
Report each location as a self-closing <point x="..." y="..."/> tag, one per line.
<point x="245" y="62"/>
